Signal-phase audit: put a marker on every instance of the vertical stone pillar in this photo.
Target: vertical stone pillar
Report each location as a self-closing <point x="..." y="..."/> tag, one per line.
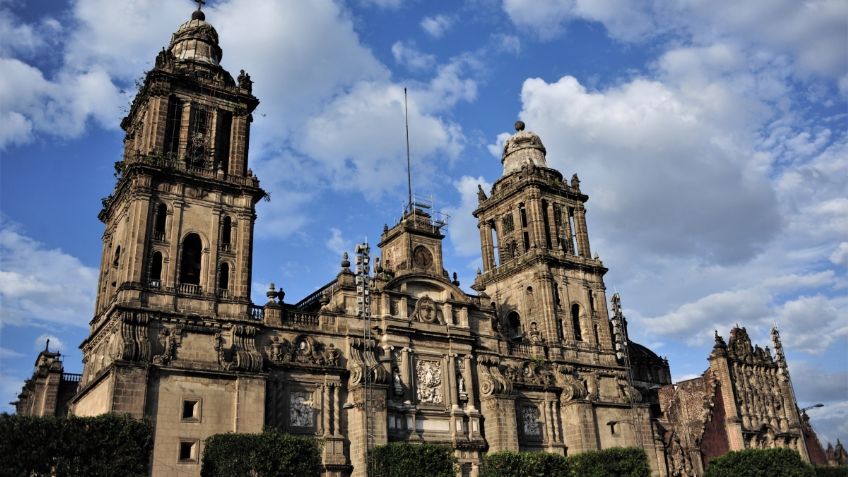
<point x="733" y="426"/>
<point x="184" y="125"/>
<point x="486" y="245"/>
<point x="161" y="122"/>
<point x="360" y="422"/>
<point x="403" y="312"/>
<point x="581" y="432"/>
<point x="569" y="234"/>
<point x="451" y="369"/>
<point x="463" y="317"/>
<point x="210" y="278"/>
<point x="174" y="239"/>
<point x="499" y="413"/>
<point x="238" y="146"/>
<point x="552" y="227"/>
<point x="326" y="409"/>
<point x="406" y="374"/>
<point x="582" y="231"/>
<point x="243" y="268"/>
<point x="447" y="312"/>
<point x="469" y="383"/>
<point x="536" y="223"/>
<point x="546" y="297"/>
<point x="337" y="407"/>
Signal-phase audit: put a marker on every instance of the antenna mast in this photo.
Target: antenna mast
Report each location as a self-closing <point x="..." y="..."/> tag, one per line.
<point x="408" y="164"/>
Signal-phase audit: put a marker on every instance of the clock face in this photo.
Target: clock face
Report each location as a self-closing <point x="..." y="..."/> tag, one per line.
<point x="422" y="257"/>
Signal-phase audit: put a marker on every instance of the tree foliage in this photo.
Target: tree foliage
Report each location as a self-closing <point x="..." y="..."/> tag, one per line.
<point x="617" y="461"/>
<point x="401" y="459"/>
<point x="73" y="446"/>
<point x="270" y="454"/>
<point x="760" y="463"/>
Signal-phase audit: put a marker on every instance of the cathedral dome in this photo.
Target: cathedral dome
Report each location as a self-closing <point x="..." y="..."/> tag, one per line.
<point x="522" y="148"/>
<point x="196" y="40"/>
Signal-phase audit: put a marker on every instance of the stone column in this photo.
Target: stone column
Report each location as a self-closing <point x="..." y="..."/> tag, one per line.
<point x="552" y="226"/>
<point x="499" y="413"/>
<point x="238" y="146"/>
<point x="325" y="409"/>
<point x="463" y="317"/>
<point x="536" y="222"/>
<point x="582" y="231"/>
<point x="486" y="245"/>
<point x="174" y="238"/>
<point x="337" y="406"/>
<point x="581" y="432"/>
<point x="406" y="374"/>
<point x="468" y="378"/>
<point x="447" y="312"/>
<point x="451" y="369"/>
<point x="569" y="234"/>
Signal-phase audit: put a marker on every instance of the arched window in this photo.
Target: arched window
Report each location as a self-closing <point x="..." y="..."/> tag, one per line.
<point x="224" y="277"/>
<point x="514" y="322"/>
<point x="159" y="222"/>
<point x="190" y="260"/>
<point x="116" y="262"/>
<point x="156" y="270"/>
<point x="575" y="322"/>
<point x="226" y="233"/>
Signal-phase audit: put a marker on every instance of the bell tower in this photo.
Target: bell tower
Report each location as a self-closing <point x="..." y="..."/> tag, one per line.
<point x="537" y="263"/>
<point x="178" y="239"/>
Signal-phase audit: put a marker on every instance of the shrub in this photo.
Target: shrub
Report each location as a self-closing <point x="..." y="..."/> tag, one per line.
<point x="615" y="461"/>
<point x="760" y="462"/>
<point x="270" y="454"/>
<point x="401" y="459"/>
<point x="72" y="446"/>
<point x="523" y="464"/>
<point x="822" y="471"/>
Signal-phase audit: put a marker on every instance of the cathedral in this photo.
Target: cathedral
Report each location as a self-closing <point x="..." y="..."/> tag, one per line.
<point x="533" y="361"/>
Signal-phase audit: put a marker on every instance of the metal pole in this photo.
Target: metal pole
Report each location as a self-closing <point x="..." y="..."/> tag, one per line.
<point x="408" y="163"/>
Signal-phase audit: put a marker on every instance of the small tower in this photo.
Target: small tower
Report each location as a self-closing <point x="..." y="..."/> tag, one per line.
<point x="537" y="264"/>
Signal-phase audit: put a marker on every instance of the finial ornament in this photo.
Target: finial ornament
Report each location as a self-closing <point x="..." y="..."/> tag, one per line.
<point x="519" y="125"/>
<point x="200" y="3"/>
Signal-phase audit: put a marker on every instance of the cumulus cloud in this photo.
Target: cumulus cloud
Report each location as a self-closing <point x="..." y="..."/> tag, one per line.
<point x="40" y="286"/>
<point x="437" y="25"/>
<point x="337" y="243"/>
<point x="463" y="231"/>
<point x="411" y="57"/>
<point x="812" y="32"/>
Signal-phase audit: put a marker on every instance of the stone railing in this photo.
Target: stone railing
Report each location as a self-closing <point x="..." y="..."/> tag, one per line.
<point x="177" y="164"/>
<point x="256" y="313"/>
<point x="72" y="377"/>
<point x="522" y="349"/>
<point x="301" y="318"/>
<point x="189" y="289"/>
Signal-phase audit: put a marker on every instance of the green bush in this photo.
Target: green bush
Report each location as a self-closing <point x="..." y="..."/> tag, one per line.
<point x="615" y="461"/>
<point x="822" y="471"/>
<point x="760" y="463"/>
<point x="401" y="459"/>
<point x="270" y="454"/>
<point x="524" y="464"/>
<point x="73" y="446"/>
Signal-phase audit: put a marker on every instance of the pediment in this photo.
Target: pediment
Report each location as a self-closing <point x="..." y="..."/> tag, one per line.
<point x="417" y="286"/>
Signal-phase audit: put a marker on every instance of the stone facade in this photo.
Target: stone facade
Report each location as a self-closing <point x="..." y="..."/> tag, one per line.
<point x="50" y="389"/>
<point x="531" y="362"/>
<point x="744" y="400"/>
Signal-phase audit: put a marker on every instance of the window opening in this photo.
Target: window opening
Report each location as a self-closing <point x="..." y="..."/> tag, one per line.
<point x="190" y="260"/>
<point x="156" y="270"/>
<point x="159" y="222"/>
<point x="575" y="322"/>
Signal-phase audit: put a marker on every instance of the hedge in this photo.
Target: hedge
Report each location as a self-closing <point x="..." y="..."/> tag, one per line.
<point x="760" y="463"/>
<point x="73" y="446"/>
<point x="616" y="461"/>
<point x="822" y="471"/>
<point x="401" y="459"/>
<point x="270" y="454"/>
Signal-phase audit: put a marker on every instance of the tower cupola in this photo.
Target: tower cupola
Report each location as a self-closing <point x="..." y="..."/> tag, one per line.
<point x="196" y="40"/>
<point x="523" y="147"/>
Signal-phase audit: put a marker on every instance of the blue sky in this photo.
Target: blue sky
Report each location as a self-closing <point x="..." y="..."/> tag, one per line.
<point x="710" y="136"/>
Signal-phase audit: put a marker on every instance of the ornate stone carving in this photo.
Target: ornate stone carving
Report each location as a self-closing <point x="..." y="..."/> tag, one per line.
<point x="134" y="342"/>
<point x="421" y="257"/>
<point x="170" y="339"/>
<point x="429" y="381"/>
<point x="492" y="381"/>
<point x="332" y="355"/>
<point x="572" y="388"/>
<point x="363" y="360"/>
<point x="242" y="355"/>
<point x="301" y="411"/>
<point x="425" y="311"/>
<point x="530" y="421"/>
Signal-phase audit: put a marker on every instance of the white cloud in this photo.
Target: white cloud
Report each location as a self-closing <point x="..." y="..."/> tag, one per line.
<point x="437" y="25"/>
<point x="6" y="353"/>
<point x="411" y="57"/>
<point x="54" y="344"/>
<point x="463" y="231"/>
<point x="388" y="4"/>
<point x="337" y="243"/>
<point x="810" y="32"/>
<point x="508" y="43"/>
<point x="40" y="286"/>
<point x="840" y="255"/>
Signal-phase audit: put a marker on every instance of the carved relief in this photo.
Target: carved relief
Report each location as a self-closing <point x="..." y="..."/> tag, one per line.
<point x="301" y="411"/>
<point x="421" y="257"/>
<point x="530" y="421"/>
<point x="134" y="340"/>
<point x="363" y="360"/>
<point x="170" y="339"/>
<point x="429" y="385"/>
<point x="425" y="311"/>
<point x="242" y="355"/>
